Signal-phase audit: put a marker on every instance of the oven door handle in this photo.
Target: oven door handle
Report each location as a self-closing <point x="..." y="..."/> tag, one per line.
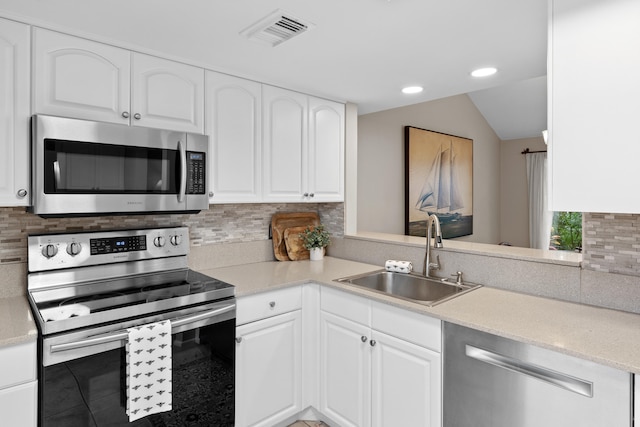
<point x="123" y="334"/>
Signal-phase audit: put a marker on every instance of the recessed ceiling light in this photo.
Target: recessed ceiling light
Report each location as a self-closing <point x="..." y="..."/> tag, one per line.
<point x="484" y="72"/>
<point x="412" y="89"/>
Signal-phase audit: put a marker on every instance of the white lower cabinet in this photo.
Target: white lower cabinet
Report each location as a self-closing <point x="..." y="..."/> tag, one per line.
<point x="405" y="382"/>
<point x="370" y="377"/>
<point x="269" y="360"/>
<point x="345" y="371"/>
<point x="18" y="385"/>
<point x="354" y="361"/>
<point x="18" y="405"/>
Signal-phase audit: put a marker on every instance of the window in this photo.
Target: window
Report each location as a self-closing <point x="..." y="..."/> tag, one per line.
<point x="566" y="231"/>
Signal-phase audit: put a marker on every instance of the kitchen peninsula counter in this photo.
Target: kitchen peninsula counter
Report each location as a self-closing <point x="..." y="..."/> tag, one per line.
<point x="600" y="335"/>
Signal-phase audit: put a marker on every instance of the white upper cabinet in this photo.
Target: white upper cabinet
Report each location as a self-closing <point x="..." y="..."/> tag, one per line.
<point x="167" y="94"/>
<point x="74" y="77"/>
<point x="14" y="113"/>
<point x="303" y="147"/>
<point x="285" y="145"/>
<point x="326" y="150"/>
<point x="594" y="89"/>
<point x="233" y="123"/>
<point x="79" y="78"/>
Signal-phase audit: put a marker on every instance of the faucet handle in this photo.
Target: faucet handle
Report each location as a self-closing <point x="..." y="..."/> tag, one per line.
<point x="458" y="276"/>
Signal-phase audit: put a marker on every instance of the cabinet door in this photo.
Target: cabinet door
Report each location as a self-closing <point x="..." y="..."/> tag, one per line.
<point x="285" y="145"/>
<point x="269" y="370"/>
<point x="18" y="405"/>
<point x="234" y="128"/>
<point x="74" y="77"/>
<point x="326" y="151"/>
<point x="14" y="113"/>
<point x="406" y="383"/>
<point x="345" y="364"/>
<point x="167" y="94"/>
<point x="593" y="105"/>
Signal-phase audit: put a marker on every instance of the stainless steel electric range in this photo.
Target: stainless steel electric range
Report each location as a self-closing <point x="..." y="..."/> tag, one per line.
<point x="87" y="289"/>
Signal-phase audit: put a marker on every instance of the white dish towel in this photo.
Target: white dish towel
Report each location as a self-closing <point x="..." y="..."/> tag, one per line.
<point x="398" y="266"/>
<point x="149" y="376"/>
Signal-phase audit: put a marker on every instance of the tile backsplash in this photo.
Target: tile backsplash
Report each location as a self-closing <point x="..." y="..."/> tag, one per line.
<point x="231" y="223"/>
<point x="611" y="243"/>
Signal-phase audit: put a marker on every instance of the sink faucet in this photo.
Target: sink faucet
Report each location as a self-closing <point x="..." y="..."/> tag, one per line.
<point x="432" y="222"/>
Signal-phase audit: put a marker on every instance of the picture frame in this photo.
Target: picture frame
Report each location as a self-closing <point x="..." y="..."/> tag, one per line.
<point x="438" y="180"/>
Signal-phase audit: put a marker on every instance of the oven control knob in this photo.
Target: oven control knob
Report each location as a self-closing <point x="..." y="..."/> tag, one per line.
<point x="176" y="240"/>
<point x="159" y="241"/>
<point x="49" y="251"/>
<point x="74" y="248"/>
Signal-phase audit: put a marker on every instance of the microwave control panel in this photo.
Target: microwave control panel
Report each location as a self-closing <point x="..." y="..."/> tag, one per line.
<point x="196" y="173"/>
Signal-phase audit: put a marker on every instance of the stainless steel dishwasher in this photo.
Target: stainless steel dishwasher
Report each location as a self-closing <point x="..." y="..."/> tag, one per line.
<point x="490" y="381"/>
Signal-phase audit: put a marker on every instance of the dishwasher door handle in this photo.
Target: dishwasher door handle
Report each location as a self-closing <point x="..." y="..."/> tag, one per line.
<point x="567" y="382"/>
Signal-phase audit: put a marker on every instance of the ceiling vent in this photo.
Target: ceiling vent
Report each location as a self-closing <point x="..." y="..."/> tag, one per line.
<point x="276" y="28"/>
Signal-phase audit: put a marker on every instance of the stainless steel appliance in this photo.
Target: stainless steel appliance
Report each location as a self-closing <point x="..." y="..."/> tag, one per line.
<point x="491" y="381"/>
<point x="81" y="167"/>
<point x="86" y="289"/>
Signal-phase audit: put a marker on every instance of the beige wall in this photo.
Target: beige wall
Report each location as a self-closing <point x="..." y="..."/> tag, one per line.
<point x="381" y="164"/>
<point x="514" y="204"/>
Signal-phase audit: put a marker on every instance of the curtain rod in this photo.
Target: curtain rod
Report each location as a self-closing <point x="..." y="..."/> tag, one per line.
<point x="527" y="151"/>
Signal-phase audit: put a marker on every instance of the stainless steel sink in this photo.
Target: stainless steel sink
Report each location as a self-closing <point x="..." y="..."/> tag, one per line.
<point x="412" y="287"/>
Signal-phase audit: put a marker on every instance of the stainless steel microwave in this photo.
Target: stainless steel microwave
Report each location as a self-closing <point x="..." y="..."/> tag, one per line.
<point x="80" y="167"/>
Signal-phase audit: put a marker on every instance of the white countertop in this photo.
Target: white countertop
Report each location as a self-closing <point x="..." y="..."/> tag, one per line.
<point x="601" y="335"/>
<point x="16" y="321"/>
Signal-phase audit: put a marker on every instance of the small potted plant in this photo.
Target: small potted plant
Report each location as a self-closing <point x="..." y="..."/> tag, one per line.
<point x="315" y="239"/>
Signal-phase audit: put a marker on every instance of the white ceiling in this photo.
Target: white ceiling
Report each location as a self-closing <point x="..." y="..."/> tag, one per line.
<point x="361" y="51"/>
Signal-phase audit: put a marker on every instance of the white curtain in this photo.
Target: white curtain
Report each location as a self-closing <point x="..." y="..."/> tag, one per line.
<point x="539" y="216"/>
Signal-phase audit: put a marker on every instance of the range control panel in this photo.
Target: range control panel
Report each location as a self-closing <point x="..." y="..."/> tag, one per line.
<point x="57" y="251"/>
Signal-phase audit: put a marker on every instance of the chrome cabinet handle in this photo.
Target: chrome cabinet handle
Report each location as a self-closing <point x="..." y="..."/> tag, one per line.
<point x="22" y="193"/>
<point x="311" y="194"/>
<point x="137" y="116"/>
<point x="305" y="195"/>
<point x="125" y="114"/>
<point x="272" y="304"/>
<point x="238" y="340"/>
<point x="363" y="338"/>
<point x="372" y="343"/>
<point x="559" y="379"/>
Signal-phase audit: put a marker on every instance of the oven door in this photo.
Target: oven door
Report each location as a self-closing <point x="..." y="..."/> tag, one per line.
<point x="82" y="379"/>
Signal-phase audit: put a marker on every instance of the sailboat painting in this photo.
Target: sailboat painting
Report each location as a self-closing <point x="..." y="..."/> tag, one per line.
<point x="439" y="180"/>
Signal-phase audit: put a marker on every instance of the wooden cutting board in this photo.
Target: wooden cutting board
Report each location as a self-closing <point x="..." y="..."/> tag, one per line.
<point x="281" y="221"/>
<point x="294" y="244"/>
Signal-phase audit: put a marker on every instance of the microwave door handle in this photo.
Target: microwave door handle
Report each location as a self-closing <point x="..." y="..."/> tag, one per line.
<point x="56" y="174"/>
<point x="183" y="171"/>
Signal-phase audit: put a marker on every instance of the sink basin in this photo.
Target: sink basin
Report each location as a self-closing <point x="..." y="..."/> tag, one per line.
<point x="412" y="287"/>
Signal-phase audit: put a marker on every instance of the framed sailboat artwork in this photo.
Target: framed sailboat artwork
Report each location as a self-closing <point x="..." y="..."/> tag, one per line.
<point x="438" y="180"/>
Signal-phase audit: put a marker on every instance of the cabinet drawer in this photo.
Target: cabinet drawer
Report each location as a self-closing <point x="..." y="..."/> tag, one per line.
<point x="17" y="364"/>
<point x="417" y="328"/>
<point x="346" y="305"/>
<point x="267" y="304"/>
